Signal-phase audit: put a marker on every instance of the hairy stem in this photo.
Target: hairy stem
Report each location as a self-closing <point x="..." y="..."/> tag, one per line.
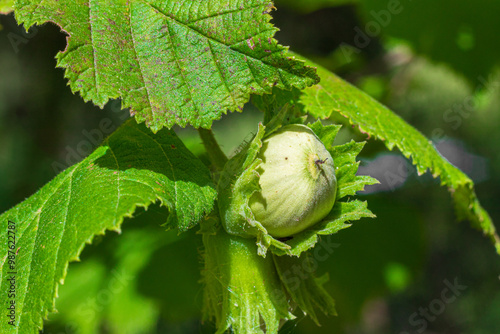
<point x="215" y="154"/>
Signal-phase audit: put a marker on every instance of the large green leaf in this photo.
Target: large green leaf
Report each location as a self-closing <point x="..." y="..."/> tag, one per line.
<point x="172" y="62"/>
<point x="132" y="168"/>
<point x="333" y="95"/>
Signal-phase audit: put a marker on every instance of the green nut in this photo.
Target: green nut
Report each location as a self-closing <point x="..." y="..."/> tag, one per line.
<point x="297" y="180"/>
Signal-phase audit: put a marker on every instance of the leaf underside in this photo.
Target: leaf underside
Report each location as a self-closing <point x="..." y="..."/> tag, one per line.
<point x="172" y="62"/>
<point x="132" y="168"/>
<point x="333" y="95"/>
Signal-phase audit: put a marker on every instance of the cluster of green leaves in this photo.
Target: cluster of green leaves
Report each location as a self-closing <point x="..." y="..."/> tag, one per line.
<point x="188" y="62"/>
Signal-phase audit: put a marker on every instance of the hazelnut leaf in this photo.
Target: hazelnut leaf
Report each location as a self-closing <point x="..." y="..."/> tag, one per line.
<point x="309" y="292"/>
<point x="171" y="62"/>
<point x="334" y="97"/>
<point x="132" y="168"/>
<point x="238" y="181"/>
<point x="338" y="219"/>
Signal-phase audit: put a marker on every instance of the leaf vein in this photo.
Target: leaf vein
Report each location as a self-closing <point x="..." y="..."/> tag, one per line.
<point x="231" y="11"/>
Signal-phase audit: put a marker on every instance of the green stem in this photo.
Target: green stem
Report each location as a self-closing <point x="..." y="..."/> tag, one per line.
<point x="243" y="290"/>
<point x="215" y="154"/>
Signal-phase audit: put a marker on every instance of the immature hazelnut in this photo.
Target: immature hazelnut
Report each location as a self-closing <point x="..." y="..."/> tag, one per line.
<point x="297" y="180"/>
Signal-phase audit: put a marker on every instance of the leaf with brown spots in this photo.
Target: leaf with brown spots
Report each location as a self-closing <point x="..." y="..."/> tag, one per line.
<point x="172" y="62"/>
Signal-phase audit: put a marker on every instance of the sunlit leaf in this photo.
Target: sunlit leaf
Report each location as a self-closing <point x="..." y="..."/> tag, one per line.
<point x="172" y="62"/>
<point x="132" y="168"/>
<point x="333" y="95"/>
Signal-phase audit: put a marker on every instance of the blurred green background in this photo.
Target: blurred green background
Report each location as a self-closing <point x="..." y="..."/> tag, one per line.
<point x="434" y="63"/>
